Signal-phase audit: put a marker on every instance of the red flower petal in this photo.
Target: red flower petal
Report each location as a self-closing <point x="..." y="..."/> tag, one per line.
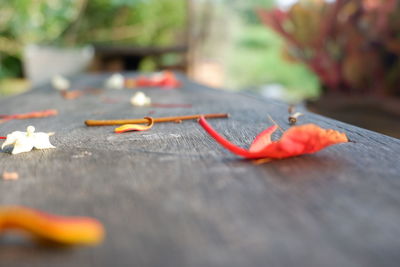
<point x="263" y="139"/>
<point x="169" y="80"/>
<point x="166" y="80"/>
<point x="296" y="141"/>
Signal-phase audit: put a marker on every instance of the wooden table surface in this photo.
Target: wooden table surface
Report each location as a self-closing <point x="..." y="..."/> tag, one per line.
<point x="172" y="197"/>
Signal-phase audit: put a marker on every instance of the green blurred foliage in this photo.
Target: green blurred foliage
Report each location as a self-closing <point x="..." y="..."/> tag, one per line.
<point x="258" y="59"/>
<point x="36" y="21"/>
<point x="82" y="22"/>
<point x="139" y="22"/>
<point x="352" y="45"/>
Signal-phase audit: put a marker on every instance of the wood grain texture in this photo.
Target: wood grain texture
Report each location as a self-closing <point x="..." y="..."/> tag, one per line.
<point x="173" y="197"/>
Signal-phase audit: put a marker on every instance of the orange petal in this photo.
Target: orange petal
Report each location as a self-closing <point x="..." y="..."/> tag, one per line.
<point x="135" y="127"/>
<point x="304" y="139"/>
<point x="263" y="139"/>
<point x="60" y="229"/>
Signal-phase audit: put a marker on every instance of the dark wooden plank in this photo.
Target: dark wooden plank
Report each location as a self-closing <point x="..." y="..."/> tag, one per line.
<point x="172" y="197"/>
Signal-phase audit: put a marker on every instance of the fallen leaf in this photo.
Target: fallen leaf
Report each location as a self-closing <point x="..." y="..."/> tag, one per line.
<point x="297" y="140"/>
<point x="59" y="229"/>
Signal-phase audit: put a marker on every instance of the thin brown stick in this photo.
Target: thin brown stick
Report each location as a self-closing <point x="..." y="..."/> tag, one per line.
<point x="163" y="119"/>
<point x="274" y="122"/>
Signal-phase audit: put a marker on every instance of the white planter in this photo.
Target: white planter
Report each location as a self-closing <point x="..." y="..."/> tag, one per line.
<point x="41" y="63"/>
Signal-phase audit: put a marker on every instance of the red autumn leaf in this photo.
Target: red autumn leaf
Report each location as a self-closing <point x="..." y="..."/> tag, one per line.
<point x="298" y="140"/>
<point x="60" y="229"/>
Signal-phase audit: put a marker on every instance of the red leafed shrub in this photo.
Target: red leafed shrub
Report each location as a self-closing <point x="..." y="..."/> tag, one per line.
<point x="352" y="45"/>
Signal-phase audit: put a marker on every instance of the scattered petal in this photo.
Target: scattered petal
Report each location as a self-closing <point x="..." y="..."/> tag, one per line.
<point x="60" y="83"/>
<point x="59" y="229"/>
<point x="165" y="80"/>
<point x="263" y="139"/>
<point x="29" y="115"/>
<point x="26" y="141"/>
<point x="139" y="99"/>
<point x="135" y="127"/>
<point x="116" y="81"/>
<point x="298" y="140"/>
<point x="10" y="175"/>
<point x="69" y="95"/>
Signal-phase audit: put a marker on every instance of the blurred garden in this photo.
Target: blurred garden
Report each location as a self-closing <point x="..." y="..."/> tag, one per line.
<point x="343" y="53"/>
<point x="224" y="35"/>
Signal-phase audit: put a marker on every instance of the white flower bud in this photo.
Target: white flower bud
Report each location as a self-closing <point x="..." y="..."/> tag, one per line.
<point x="60" y="83"/>
<point x="116" y="81"/>
<point x="140" y="99"/>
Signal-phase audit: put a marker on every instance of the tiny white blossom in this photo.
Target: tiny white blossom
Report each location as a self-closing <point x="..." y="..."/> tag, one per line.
<point x="26" y="141"/>
<point x="140" y="99"/>
<point x="60" y="83"/>
<point x="116" y="81"/>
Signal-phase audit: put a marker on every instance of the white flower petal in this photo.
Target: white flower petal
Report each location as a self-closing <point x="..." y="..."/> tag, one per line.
<point x="140" y="99"/>
<point x="12" y="138"/>
<point x="23" y="144"/>
<point x="41" y="141"/>
<point x="60" y="83"/>
<point x="26" y="141"/>
<point x="116" y="81"/>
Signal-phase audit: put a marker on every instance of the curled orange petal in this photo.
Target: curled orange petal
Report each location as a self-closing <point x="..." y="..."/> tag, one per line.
<point x="298" y="140"/>
<point x="59" y="229"/>
<point x="135" y="127"/>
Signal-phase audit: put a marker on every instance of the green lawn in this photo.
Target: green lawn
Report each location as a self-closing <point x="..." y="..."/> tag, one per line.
<point x="257" y="59"/>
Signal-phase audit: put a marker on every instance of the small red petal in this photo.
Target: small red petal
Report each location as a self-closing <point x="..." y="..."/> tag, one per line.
<point x="167" y="80"/>
<point x="225" y="143"/>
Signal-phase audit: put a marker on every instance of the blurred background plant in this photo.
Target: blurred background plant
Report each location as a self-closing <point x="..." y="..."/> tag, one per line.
<point x="224" y="34"/>
<point x="352" y="45"/>
<point x="64" y="23"/>
<point x="342" y="53"/>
